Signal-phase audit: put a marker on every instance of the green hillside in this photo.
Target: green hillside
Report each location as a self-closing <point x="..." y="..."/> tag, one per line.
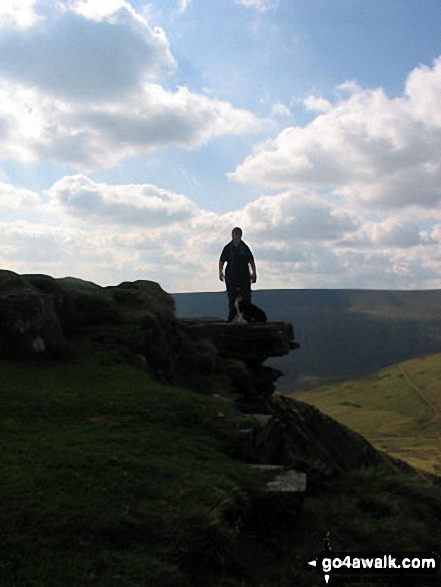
<point x="124" y="462"/>
<point x="342" y="333"/>
<point x="397" y="409"/>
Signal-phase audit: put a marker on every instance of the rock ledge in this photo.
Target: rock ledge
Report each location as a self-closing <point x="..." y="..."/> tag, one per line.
<point x="251" y="343"/>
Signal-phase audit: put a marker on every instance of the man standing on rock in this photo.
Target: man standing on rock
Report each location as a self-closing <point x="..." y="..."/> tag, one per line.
<point x="237" y="276"/>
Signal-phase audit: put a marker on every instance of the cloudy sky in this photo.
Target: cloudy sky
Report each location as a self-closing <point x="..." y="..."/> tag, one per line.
<point x="134" y="136"/>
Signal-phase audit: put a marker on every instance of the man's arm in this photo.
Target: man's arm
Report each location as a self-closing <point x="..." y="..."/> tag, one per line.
<point x="221" y="270"/>
<point x="254" y="272"/>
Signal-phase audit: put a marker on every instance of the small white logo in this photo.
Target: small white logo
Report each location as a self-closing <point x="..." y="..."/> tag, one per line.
<point x="314" y="564"/>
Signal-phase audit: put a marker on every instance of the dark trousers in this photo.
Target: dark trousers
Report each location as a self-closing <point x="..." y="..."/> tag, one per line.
<point x="237" y="287"/>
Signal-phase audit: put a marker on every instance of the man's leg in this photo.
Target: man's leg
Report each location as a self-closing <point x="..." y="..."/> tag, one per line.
<point x="232" y="293"/>
<point x="245" y="290"/>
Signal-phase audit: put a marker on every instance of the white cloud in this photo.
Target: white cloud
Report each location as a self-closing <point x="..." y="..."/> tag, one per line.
<point x="280" y="109"/>
<point x="18" y="14"/>
<point x="97" y="9"/>
<point x="396" y="234"/>
<point x="277" y="107"/>
<point x="436" y="233"/>
<point x="134" y="205"/>
<point x="87" y="96"/>
<point x="27" y="244"/>
<point x="183" y="6"/>
<point x="76" y="58"/>
<point x="313" y="103"/>
<point x="34" y="127"/>
<point x="390" y="232"/>
<point x="87" y="83"/>
<point x="13" y="200"/>
<point x="370" y="149"/>
<point x="111" y="233"/>
<point x="347" y="88"/>
<point x="423" y="88"/>
<point x="259" y="5"/>
<point x="295" y="216"/>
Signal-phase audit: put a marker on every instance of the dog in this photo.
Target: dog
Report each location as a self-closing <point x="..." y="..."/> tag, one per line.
<point x="247" y="312"/>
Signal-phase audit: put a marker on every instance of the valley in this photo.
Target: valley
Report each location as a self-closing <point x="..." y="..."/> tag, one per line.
<point x="397" y="409"/>
<point x="342" y="334"/>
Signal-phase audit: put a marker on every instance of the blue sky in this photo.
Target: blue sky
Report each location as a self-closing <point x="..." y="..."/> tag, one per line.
<point x="135" y="135"/>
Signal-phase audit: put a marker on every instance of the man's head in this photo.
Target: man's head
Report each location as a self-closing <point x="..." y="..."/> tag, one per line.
<point x="237" y="235"/>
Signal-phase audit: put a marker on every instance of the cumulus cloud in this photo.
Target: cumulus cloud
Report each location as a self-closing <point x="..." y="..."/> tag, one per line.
<point x="314" y="103"/>
<point x="83" y="88"/>
<point x="34" y="127"/>
<point x="59" y="251"/>
<point x="110" y="233"/>
<point x="367" y="147"/>
<point x="423" y="88"/>
<point x="18" y="14"/>
<point x="297" y="215"/>
<point x="96" y="9"/>
<point x="28" y="243"/>
<point x="77" y="58"/>
<point x="279" y="109"/>
<point x="390" y="232"/>
<point x="396" y="234"/>
<point x="13" y="199"/>
<point x="134" y="205"/>
<point x="356" y="193"/>
<point x="60" y="238"/>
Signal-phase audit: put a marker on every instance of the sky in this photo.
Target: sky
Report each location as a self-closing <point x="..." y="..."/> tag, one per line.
<point x="135" y="135"/>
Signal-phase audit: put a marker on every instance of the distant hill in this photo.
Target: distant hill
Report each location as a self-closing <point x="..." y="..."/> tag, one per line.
<point x="342" y="333"/>
<point x="397" y="409"/>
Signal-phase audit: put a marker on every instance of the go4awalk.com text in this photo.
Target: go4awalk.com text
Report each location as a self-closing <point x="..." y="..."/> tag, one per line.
<point x="410" y="564"/>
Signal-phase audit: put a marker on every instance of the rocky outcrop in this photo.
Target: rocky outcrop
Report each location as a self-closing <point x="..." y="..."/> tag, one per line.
<point x="289" y="438"/>
<point x="251" y="342"/>
<point x="135" y="322"/>
<point x="29" y="325"/>
<point x="45" y="317"/>
<point x="244" y="347"/>
<point x="39" y="314"/>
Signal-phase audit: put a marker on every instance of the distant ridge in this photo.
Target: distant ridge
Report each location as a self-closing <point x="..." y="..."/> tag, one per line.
<point x="397" y="409"/>
<point x="343" y="333"/>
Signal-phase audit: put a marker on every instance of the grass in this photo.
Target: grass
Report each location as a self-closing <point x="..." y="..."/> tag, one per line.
<point x="388" y="410"/>
<point x="109" y="478"/>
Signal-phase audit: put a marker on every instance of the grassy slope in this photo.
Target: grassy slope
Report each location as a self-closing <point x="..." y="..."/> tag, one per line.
<point x="109" y="478"/>
<point x="388" y="410"/>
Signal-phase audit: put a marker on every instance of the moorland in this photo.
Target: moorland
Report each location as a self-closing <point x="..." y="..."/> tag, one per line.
<point x="125" y="462"/>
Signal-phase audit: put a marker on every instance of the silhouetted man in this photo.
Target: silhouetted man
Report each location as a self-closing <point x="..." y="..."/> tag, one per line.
<point x="238" y="256"/>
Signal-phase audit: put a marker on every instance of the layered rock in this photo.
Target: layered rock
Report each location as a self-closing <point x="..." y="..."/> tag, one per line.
<point x="251" y="342"/>
<point x="244" y="347"/>
<point x="29" y="325"/>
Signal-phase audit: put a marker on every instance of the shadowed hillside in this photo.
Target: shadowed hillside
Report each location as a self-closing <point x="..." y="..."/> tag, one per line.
<point x="125" y="461"/>
<point x="342" y="333"/>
